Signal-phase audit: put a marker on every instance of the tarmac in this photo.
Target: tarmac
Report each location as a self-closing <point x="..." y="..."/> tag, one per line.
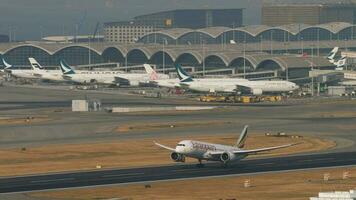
<point x="329" y="118"/>
<point x="173" y="172"/>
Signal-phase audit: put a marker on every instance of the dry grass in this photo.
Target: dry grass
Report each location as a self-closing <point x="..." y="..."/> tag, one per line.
<point x="128" y="153"/>
<point x="13" y="121"/>
<point x="276" y="186"/>
<point x="155" y="126"/>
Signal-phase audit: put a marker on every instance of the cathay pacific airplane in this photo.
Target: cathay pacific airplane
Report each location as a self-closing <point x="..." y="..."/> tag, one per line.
<point x="337" y="59"/>
<point x="215" y="152"/>
<point x="232" y="85"/>
<point x="118" y="78"/>
<point x="41" y="73"/>
<point x="18" y="73"/>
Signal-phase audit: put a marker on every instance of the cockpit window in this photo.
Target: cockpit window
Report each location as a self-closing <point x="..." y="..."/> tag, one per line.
<point x="181" y="145"/>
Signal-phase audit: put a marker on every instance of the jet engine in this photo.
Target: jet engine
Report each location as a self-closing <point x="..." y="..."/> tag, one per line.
<point x="134" y="83"/>
<point x="177" y="157"/>
<point x="227" y="157"/>
<point x="256" y="91"/>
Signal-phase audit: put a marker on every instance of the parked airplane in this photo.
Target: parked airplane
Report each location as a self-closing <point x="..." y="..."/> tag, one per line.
<point x="42" y="73"/>
<point x="118" y="78"/>
<point x="232" y="85"/>
<point x="161" y="80"/>
<point x="18" y="73"/>
<point x="215" y="152"/>
<point x="337" y="59"/>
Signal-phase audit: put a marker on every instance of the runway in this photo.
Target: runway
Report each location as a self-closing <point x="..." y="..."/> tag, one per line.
<point x="180" y="171"/>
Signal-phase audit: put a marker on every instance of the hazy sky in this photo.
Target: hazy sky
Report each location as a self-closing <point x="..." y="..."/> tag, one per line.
<point x="29" y="18"/>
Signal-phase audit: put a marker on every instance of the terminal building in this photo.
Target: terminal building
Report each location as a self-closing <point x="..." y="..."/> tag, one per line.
<point x="340" y="31"/>
<point x="258" y="59"/>
<point x="193" y="18"/>
<point x="126" y="32"/>
<point x="131" y="31"/>
<point x="282" y="12"/>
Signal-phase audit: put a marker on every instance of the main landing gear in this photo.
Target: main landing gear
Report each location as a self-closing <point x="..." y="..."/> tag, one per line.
<point x="200" y="165"/>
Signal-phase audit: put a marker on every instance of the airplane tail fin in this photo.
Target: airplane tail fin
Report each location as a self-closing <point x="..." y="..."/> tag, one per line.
<point x="35" y="65"/>
<point x="241" y="141"/>
<point x="6" y="65"/>
<point x="183" y="75"/>
<point x="151" y="72"/>
<point x="332" y="54"/>
<point x="340" y="63"/>
<point x="66" y="69"/>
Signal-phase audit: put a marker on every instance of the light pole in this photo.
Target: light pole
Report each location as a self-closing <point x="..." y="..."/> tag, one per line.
<point x="126" y="61"/>
<point x="164" y="55"/>
<point x="203" y="46"/>
<point x="271" y="42"/>
<point x="244" y="58"/>
<point x="233" y="31"/>
<point x="302" y="45"/>
<point x="346" y="51"/>
<point x="312" y="69"/>
<point x="89" y="53"/>
<point x="318" y="36"/>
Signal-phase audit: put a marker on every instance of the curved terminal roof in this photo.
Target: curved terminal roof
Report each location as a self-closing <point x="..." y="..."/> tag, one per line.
<point x="214" y="32"/>
<point x="227" y="55"/>
<point x="333" y="27"/>
<point x="294" y="29"/>
<point x="174" y="33"/>
<point x="253" y="30"/>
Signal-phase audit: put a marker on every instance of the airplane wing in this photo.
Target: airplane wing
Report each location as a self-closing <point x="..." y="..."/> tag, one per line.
<point x="37" y="75"/>
<point x="254" y="151"/>
<point x="248" y="89"/>
<point x="165" y="147"/>
<point x="122" y="81"/>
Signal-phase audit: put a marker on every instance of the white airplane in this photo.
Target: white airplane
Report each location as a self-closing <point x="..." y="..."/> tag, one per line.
<point x="41" y="73"/>
<point x="215" y="152"/>
<point x="232" y="85"/>
<point x="332" y="54"/>
<point x="118" y="78"/>
<point x="337" y="59"/>
<point x="16" y="72"/>
<point x="161" y="80"/>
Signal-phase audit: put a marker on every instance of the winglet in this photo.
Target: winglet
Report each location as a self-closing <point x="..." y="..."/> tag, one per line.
<point x="163" y="146"/>
<point x="241" y="141"/>
<point x="66" y="69"/>
<point x="183" y="75"/>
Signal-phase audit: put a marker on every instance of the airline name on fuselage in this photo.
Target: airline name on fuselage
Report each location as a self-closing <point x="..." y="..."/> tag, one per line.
<point x="206" y="147"/>
<point x="100" y="72"/>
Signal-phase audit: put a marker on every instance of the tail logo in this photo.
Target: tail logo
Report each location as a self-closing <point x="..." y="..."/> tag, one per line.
<point x="65" y="68"/>
<point x="7" y="65"/>
<point x="153" y="76"/>
<point x="183" y="76"/>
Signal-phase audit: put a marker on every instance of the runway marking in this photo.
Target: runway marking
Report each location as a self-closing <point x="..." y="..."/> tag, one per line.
<point x="197" y="169"/>
<point x="321" y="159"/>
<point x="270" y="163"/>
<point x="53" y="180"/>
<point x="118" y="175"/>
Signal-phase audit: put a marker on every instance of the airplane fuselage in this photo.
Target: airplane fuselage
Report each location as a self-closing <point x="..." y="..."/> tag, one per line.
<point x="203" y="150"/>
<point x="233" y="86"/>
